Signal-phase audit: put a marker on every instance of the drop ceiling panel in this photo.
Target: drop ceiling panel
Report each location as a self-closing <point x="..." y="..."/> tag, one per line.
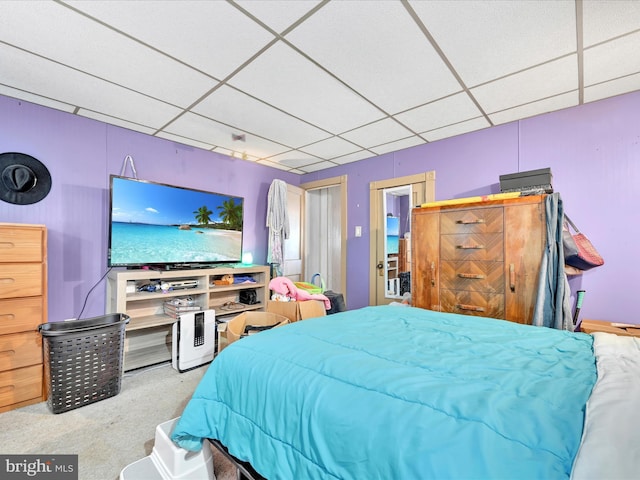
<point x="386" y="58"/>
<point x="294" y="159"/>
<point x="458" y="129"/>
<point x="75" y="88"/>
<point x="211" y="132"/>
<point x="612" y="88"/>
<point x="332" y="147"/>
<point x="290" y="82"/>
<point x="603" y="62"/>
<point x="382" y="131"/>
<point x="235" y="108"/>
<point x="353" y="157"/>
<point x="398" y="145"/>
<point x="278" y="14"/>
<point x="267" y="163"/>
<point x="453" y="109"/>
<point x="95" y="49"/>
<point x="317" y="166"/>
<point x="605" y="19"/>
<point x="183" y="140"/>
<point x="537" y="83"/>
<point x="212" y="36"/>
<point x="115" y="121"/>
<point x="37" y="99"/>
<point x="489" y="39"/>
<point x="566" y="100"/>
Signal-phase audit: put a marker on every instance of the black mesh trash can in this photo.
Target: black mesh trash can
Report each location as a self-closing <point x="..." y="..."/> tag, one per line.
<point x="83" y="360"/>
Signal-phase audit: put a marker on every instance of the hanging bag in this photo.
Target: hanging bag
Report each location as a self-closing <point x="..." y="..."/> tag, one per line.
<point x="579" y="252"/>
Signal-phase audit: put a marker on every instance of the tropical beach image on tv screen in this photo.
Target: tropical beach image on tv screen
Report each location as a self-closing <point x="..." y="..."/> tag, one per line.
<point x="153" y="223"/>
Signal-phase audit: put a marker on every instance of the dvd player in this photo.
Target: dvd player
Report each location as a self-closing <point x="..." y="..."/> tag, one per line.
<point x="180" y="284"/>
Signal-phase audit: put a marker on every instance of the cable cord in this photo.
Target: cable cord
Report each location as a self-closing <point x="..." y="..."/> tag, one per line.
<point x="92" y="288"/>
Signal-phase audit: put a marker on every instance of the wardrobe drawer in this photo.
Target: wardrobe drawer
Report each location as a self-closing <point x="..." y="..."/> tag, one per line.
<point x="20" y="350"/>
<point x="20" y="314"/>
<point x="20" y="385"/>
<point x="21" y="244"/>
<point x="20" y="280"/>
<point x="473" y="246"/>
<point x="473" y="220"/>
<point x="472" y="303"/>
<point x="485" y="277"/>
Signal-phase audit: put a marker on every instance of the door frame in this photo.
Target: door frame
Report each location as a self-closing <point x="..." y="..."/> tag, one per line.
<point x="376" y="218"/>
<point x="341" y="182"/>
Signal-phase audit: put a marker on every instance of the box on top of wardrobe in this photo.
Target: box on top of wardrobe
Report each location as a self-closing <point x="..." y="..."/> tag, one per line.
<point x="538" y="181"/>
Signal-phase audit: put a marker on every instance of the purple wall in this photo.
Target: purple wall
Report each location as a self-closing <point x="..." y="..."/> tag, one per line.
<point x="81" y="154"/>
<point x="594" y="154"/>
<point x="593" y="151"/>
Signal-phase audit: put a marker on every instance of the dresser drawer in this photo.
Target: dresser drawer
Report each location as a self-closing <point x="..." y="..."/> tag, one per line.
<point x="21" y="244"/>
<point x="20" y="314"/>
<point x="20" y="280"/>
<point x="473" y="246"/>
<point x="20" y="350"/>
<point x="20" y="385"/>
<point x="485" y="277"/>
<point x="472" y="303"/>
<point x="473" y="220"/>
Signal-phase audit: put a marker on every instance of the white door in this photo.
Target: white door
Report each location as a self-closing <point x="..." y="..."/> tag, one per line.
<point x="294" y="245"/>
<point x="390" y="256"/>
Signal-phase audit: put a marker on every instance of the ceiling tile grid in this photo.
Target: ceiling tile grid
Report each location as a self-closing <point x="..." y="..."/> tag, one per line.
<point x="311" y="84"/>
<point x="234" y="107"/>
<point x="377" y="133"/>
<point x="378" y="50"/>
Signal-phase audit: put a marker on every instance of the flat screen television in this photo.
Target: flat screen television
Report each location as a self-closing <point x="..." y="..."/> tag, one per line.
<point x="155" y="224"/>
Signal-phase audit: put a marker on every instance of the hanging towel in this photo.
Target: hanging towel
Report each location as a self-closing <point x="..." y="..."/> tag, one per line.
<point x="278" y="223"/>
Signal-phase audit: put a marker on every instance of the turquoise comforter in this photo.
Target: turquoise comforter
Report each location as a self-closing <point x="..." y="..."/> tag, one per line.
<point x="397" y="393"/>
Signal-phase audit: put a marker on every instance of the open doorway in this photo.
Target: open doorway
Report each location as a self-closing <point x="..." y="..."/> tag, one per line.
<point x="325" y="232"/>
<point x="391" y="202"/>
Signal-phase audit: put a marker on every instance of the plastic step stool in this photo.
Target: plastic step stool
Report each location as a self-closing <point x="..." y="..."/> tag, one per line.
<point x="170" y="462"/>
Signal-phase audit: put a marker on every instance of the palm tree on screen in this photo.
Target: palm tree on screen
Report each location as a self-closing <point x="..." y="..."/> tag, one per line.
<point x="231" y="214"/>
<point x="203" y="215"/>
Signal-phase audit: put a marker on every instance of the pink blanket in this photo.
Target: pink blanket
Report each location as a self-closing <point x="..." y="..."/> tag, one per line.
<point x="284" y="286"/>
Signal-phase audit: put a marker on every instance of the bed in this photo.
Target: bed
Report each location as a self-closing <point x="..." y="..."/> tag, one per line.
<point x="395" y="392"/>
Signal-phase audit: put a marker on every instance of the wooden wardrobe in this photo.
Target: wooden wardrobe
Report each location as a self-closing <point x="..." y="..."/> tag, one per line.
<point x="480" y="258"/>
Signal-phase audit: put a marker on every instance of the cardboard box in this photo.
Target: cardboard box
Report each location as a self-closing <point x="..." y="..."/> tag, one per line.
<point x="235" y="329"/>
<point x="295" y="311"/>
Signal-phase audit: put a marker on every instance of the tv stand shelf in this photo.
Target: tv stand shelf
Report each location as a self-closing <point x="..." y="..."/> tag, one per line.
<point x="148" y="333"/>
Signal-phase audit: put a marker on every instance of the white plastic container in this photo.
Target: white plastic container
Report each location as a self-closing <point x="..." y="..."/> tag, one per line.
<point x="170" y="462"/>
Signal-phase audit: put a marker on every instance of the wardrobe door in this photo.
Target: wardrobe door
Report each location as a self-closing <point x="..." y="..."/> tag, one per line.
<point x="425" y="234"/>
<point x="525" y="232"/>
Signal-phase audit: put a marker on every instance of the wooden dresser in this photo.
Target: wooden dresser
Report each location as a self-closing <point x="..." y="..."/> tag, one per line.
<point x="479" y="258"/>
<point x="23" y="306"/>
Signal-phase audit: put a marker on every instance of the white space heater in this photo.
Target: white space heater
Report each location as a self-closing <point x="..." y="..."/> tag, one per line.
<point x="194" y="338"/>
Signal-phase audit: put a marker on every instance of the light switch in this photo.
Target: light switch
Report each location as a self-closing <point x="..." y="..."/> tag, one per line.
<point x="358" y="231"/>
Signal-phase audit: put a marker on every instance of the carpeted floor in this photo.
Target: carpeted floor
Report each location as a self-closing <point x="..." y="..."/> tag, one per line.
<point x="110" y="434"/>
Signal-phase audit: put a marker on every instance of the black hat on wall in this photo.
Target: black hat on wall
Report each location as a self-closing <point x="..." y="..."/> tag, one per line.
<point x="23" y="179"/>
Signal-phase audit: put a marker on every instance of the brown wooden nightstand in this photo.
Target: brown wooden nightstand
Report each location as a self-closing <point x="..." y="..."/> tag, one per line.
<point x="625" y="329"/>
